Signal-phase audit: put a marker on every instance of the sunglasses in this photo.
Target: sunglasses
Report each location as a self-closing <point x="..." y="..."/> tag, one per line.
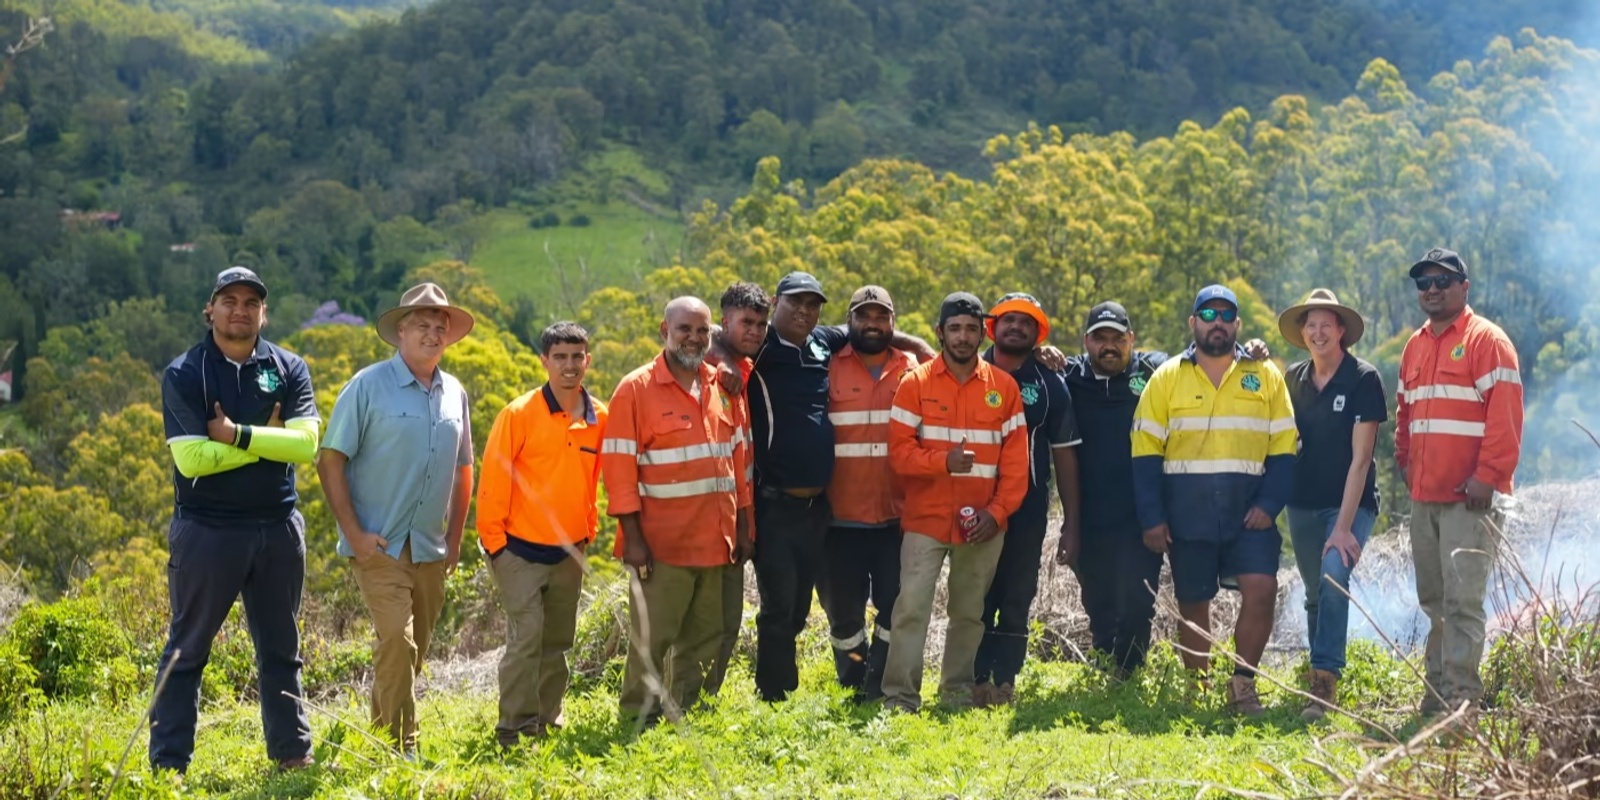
<point x="1440" y="282"/>
<point x="1214" y="314"/>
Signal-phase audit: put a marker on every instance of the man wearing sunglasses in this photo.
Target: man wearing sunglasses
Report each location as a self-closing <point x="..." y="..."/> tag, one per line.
<point x="1213" y="462"/>
<point x="1458" y="434"/>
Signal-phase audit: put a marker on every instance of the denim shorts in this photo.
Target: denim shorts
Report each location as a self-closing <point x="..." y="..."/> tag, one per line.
<point x="1199" y="568"/>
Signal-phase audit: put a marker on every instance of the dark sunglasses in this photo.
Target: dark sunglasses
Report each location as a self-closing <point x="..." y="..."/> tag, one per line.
<point x="1213" y="314"/>
<point x="1440" y="282"/>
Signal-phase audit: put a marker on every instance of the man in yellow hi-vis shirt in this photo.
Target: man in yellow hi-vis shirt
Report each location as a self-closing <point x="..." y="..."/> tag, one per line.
<point x="1213" y="457"/>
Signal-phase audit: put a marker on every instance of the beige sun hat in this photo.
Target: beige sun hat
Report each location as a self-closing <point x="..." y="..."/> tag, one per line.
<point x="1324" y="299"/>
<point x="424" y="295"/>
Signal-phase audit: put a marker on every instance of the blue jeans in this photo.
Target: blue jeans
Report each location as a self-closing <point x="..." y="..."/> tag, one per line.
<point x="1327" y="609"/>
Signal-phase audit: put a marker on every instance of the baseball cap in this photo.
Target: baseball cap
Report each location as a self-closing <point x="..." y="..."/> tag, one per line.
<point x="1440" y="257"/>
<point x="960" y="304"/>
<point x="1109" y="314"/>
<point x="872" y="295"/>
<point x="233" y="275"/>
<point x="800" y="283"/>
<point x="1215" y="291"/>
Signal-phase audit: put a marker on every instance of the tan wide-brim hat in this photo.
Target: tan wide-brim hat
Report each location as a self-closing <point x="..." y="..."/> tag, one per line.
<point x="1325" y="300"/>
<point x="425" y="295"/>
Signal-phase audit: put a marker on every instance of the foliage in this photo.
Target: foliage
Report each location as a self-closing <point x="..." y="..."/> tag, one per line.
<point x="75" y="651"/>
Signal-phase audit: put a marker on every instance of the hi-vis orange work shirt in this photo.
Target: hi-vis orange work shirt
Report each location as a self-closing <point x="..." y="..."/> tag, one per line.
<point x="540" y="470"/>
<point x="864" y="488"/>
<point x="1460" y="409"/>
<point x="679" y="463"/>
<point x="932" y="414"/>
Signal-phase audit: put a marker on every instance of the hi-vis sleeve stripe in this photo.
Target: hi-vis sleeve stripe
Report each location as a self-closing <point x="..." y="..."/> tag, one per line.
<point x="1283" y="425"/>
<point x="939" y="433"/>
<point x="1151" y="427"/>
<point x="679" y="455"/>
<point x="861" y="450"/>
<point x="1018" y="421"/>
<point x="1498" y="375"/>
<point x="622" y="447"/>
<point x="1221" y="424"/>
<point x="905" y="417"/>
<point x="1442" y="391"/>
<point x="1450" y="427"/>
<point x="668" y="491"/>
<point x="738" y="437"/>
<point x="1216" y="466"/>
<point x="875" y="417"/>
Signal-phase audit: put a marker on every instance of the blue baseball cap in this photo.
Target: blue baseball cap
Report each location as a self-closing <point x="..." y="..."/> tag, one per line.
<point x="1215" y="291"/>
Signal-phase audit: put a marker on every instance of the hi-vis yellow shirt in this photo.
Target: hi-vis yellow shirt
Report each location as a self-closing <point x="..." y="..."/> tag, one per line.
<point x="1204" y="454"/>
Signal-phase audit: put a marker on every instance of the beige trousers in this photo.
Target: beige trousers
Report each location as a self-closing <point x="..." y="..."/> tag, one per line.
<point x="972" y="568"/>
<point x="404" y="599"/>
<point x="541" y="606"/>
<point x="1454" y="551"/>
<point x="674" y="630"/>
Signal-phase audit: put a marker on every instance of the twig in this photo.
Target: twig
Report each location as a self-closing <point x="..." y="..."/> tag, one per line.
<point x="161" y="684"/>
<point x="1587" y="432"/>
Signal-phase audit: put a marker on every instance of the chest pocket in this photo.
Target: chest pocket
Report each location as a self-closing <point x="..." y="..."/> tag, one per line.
<point x="672" y="430"/>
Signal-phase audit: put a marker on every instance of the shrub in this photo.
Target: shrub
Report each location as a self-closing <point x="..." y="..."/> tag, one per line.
<point x="19" y="682"/>
<point x="75" y="650"/>
<point x="579" y="221"/>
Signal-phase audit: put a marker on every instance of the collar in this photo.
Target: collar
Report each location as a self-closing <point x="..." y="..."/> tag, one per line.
<point x="1192" y="352"/>
<point x="402" y="373"/>
<point x="980" y="370"/>
<point x="1345" y="375"/>
<point x="663" y="373"/>
<point x="262" y="350"/>
<point x="987" y="356"/>
<point x="772" y="333"/>
<point x="554" y="405"/>
<point x="1460" y="322"/>
<point x="895" y="355"/>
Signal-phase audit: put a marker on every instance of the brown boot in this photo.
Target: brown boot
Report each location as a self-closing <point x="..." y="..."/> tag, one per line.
<point x="1324" y="691"/>
<point x="982" y="695"/>
<point x="1243" y="698"/>
<point x="1004" y="695"/>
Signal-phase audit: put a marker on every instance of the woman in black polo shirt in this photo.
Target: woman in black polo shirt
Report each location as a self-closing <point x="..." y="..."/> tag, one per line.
<point x="1338" y="404"/>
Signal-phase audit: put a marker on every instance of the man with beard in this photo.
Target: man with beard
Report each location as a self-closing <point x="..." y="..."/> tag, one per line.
<point x="958" y="440"/>
<point x="536" y="515"/>
<point x="396" y="467"/>
<point x="674" y="461"/>
<point x="1116" y="573"/>
<point x="1213" y="465"/>
<point x="1458" y="436"/>
<point x="862" y="556"/>
<point x="745" y="307"/>
<point x="235" y="530"/>
<point x="1018" y="325"/>
<point x="793" y="449"/>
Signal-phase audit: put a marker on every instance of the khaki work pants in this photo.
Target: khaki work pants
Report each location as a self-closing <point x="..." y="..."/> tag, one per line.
<point x="972" y="569"/>
<point x="404" y="598"/>
<point x="541" y="606"/>
<point x="674" y="630"/>
<point x="1454" y="551"/>
<point x="732" y="623"/>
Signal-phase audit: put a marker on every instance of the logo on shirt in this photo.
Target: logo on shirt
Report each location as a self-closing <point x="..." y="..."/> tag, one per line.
<point x="1251" y="382"/>
<point x="268" y="379"/>
<point x="1458" y="352"/>
<point x="1338" y="403"/>
<point x="1030" y="394"/>
<point x="992" y="399"/>
<point x="1137" y="385"/>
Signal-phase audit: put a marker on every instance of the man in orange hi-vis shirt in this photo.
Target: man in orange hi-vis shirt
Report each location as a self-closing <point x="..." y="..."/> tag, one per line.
<point x="958" y="440"/>
<point x="1458" y="436"/>
<point x="674" y="460"/>
<point x="536" y="514"/>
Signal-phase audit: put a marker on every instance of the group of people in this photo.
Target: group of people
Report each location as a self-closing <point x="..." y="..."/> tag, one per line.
<point x="853" y="462"/>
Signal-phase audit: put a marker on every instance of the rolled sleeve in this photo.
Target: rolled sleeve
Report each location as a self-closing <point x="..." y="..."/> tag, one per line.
<point x="464" y="451"/>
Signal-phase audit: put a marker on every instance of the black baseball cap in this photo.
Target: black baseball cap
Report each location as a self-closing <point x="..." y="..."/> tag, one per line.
<point x="800" y="283"/>
<point x="233" y="275"/>
<point x="1109" y="314"/>
<point x="1440" y="257"/>
<point x="960" y="304"/>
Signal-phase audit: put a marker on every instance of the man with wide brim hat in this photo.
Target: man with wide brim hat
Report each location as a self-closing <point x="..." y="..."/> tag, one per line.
<point x="1293" y="319"/>
<point x="396" y="467"/>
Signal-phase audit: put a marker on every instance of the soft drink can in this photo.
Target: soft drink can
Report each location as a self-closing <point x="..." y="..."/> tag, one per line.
<point x="969" y="519"/>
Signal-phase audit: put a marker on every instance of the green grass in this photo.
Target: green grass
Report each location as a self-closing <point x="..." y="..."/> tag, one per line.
<point x="1071" y="733"/>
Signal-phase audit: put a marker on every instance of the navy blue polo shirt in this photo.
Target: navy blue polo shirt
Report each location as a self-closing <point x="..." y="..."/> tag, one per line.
<point x="788" y="392"/>
<point x="1051" y="423"/>
<point x="1326" y="420"/>
<point x="1104" y="405"/>
<point x="263" y="491"/>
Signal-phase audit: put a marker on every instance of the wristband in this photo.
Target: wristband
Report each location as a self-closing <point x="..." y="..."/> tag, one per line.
<point x="244" y="437"/>
<point x="237" y="430"/>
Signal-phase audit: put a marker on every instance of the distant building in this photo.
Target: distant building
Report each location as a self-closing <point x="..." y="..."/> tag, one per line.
<point x="74" y="218"/>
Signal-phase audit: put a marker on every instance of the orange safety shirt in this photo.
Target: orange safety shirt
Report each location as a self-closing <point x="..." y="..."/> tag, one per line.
<point x="932" y="413"/>
<point x="864" y="489"/>
<point x="540" y="471"/>
<point x="1460" y="409"/>
<point x="678" y="462"/>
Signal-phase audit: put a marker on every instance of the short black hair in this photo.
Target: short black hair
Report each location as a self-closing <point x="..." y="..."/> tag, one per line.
<point x="746" y="295"/>
<point x="563" y="332"/>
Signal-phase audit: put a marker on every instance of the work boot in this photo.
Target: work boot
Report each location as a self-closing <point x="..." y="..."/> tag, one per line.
<point x="983" y="695"/>
<point x="851" y="666"/>
<point x="1324" y="690"/>
<point x="1243" y="699"/>
<point x="1003" y="695"/>
<point x="877" y="659"/>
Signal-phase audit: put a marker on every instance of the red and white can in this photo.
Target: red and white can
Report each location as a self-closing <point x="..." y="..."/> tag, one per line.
<point x="969" y="519"/>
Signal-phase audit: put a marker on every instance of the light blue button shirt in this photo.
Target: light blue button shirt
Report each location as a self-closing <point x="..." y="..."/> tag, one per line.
<point x="405" y="444"/>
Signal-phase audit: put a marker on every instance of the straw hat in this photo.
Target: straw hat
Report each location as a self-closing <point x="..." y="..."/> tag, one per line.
<point x="424" y="295"/>
<point x="1323" y="299"/>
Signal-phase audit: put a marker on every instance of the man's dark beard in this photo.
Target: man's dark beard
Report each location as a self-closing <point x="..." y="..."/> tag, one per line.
<point x="871" y="347"/>
<point x="1217" y="350"/>
<point x="1012" y="350"/>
